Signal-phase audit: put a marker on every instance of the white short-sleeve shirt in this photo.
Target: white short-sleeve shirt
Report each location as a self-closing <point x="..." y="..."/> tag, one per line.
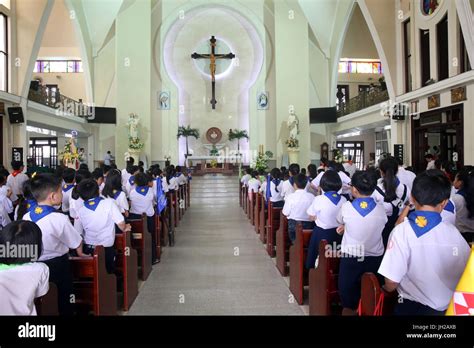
<point x="98" y="226"/>
<point x="286" y="189"/>
<point x="406" y="177"/>
<point x="276" y="195"/>
<point x="398" y="201"/>
<point x="59" y="235"/>
<point x="254" y="185"/>
<point x="449" y="213"/>
<point x="326" y="209"/>
<point x="427" y="268"/>
<point x="463" y="223"/>
<point x="140" y="204"/>
<point x="67" y="190"/>
<point x="346" y="181"/>
<point x="120" y="201"/>
<point x="245" y="179"/>
<point x="15" y="183"/>
<point x="297" y="204"/>
<point x="362" y="233"/>
<point x="20" y="285"/>
<point x="6" y="207"/>
<point x="74" y="206"/>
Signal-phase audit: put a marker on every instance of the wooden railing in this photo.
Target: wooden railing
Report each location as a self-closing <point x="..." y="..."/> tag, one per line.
<point x="362" y="101"/>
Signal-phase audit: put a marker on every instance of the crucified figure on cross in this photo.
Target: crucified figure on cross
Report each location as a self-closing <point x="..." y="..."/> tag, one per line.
<point x="212" y="65"/>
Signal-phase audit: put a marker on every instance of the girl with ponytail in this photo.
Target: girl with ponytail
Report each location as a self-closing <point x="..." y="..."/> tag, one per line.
<point x="393" y="194"/>
<point x="273" y="189"/>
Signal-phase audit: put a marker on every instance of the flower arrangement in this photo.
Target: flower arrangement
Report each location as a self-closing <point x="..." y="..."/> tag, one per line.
<point x="292" y="143"/>
<point x="213" y="163"/>
<point x="135" y="144"/>
<point x="70" y="155"/>
<point x="261" y="162"/>
<point x="337" y="156"/>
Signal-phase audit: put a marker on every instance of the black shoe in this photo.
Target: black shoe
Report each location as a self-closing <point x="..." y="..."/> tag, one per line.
<point x="155" y="262"/>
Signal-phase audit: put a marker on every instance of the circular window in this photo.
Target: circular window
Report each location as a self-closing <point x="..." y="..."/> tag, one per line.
<point x="428" y="7"/>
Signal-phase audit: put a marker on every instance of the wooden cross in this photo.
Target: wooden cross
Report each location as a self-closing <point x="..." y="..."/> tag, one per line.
<point x="212" y="66"/>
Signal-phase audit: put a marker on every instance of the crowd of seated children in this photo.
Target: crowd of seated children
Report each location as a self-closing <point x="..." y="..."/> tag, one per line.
<point x="296" y="205"/>
<point x="361" y="224"/>
<point x="323" y="211"/>
<point x="419" y="262"/>
<point x="22" y="278"/>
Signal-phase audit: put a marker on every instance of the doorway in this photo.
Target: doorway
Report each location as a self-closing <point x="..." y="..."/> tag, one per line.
<point x="354" y="150"/>
<point x="43" y="152"/>
<point x="439" y="133"/>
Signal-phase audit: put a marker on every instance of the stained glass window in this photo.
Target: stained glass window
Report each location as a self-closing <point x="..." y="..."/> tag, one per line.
<point x="58" y="66"/>
<point x="429" y="6"/>
<point x="355" y="66"/>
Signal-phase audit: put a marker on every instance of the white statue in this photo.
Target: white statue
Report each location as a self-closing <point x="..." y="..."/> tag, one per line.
<point x="132" y="124"/>
<point x="293" y="125"/>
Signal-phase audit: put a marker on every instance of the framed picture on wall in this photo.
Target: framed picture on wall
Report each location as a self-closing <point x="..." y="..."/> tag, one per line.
<point x="164" y="101"/>
<point x="262" y="101"/>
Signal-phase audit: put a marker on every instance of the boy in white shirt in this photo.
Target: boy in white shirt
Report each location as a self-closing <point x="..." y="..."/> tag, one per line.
<point x="142" y="200"/>
<point x="6" y="206"/>
<point x="97" y="220"/>
<point x="125" y="172"/>
<point x="362" y="222"/>
<point x="16" y="180"/>
<point x="253" y="184"/>
<point x="287" y="187"/>
<point x="406" y="177"/>
<point x="181" y="178"/>
<point x="324" y="211"/>
<point x="296" y="206"/>
<point x="245" y="179"/>
<point x="58" y="236"/>
<point x="22" y="279"/>
<point x="425" y="256"/>
<point x="69" y="178"/>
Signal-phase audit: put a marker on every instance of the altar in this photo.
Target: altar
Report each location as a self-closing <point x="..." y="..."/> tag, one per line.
<point x="210" y="164"/>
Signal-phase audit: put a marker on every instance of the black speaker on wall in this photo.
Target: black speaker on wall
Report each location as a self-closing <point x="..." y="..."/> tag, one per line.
<point x="16" y="115"/>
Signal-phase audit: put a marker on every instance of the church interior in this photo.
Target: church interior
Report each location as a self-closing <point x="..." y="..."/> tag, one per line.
<point x="218" y="107"/>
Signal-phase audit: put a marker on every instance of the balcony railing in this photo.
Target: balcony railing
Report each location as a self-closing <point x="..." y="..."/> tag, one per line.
<point x="54" y="99"/>
<point x="362" y="101"/>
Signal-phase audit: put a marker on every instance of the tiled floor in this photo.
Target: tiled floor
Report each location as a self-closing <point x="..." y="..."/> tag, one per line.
<point x="218" y="266"/>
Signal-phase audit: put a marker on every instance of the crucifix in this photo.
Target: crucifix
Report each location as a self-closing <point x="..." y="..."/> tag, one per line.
<point x="212" y="65"/>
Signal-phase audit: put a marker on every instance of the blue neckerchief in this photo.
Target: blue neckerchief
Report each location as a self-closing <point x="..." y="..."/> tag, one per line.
<point x="364" y="205"/>
<point x="177" y="175"/>
<point x="423" y="221"/>
<point x="397" y="182"/>
<point x="40" y="211"/>
<point x="291" y="180"/>
<point x="462" y="192"/>
<point x="131" y="181"/>
<point x="160" y="196"/>
<point x="190" y="177"/>
<point x="276" y="182"/>
<point x="117" y="193"/>
<point x="449" y="207"/>
<point x="143" y="190"/>
<point x="268" y="191"/>
<point x="67" y="187"/>
<point x="30" y="204"/>
<point x="333" y="196"/>
<point x="93" y="203"/>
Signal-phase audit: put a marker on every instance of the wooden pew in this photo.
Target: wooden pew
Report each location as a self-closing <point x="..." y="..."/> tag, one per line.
<point x="283" y="246"/>
<point x="185" y="200"/>
<point x="262" y="220"/>
<point x="245" y="198"/>
<point x="256" y="212"/>
<point x="126" y="268"/>
<point x="298" y="273"/>
<point x="240" y="194"/>
<point x="141" y="241"/>
<point x="323" y="288"/>
<point x="375" y="301"/>
<point x="178" y="203"/>
<point x="158" y="231"/>
<point x="47" y="305"/>
<point x="272" y="226"/>
<point x="94" y="288"/>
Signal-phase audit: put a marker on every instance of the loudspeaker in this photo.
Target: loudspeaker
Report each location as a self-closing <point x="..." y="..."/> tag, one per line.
<point x="16" y="115"/>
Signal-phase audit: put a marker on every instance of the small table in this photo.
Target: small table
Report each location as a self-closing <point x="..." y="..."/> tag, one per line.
<point x="202" y="168"/>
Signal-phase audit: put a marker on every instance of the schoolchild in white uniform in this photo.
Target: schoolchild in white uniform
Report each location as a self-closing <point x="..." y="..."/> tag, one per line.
<point x="253" y="184"/>
<point x="248" y="175"/>
<point x="113" y="191"/>
<point x="125" y="172"/>
<point x="75" y="201"/>
<point x="97" y="220"/>
<point x="346" y="181"/>
<point x="130" y="184"/>
<point x="362" y="222"/>
<point x="69" y="178"/>
<point x="58" y="236"/>
<point x="406" y="177"/>
<point x="312" y="174"/>
<point x="22" y="279"/>
<point x="419" y="262"/>
<point x="287" y="187"/>
<point x="273" y="188"/>
<point x="171" y="179"/>
<point x="98" y="176"/>
<point x="391" y="193"/>
<point x="296" y="206"/>
<point x="324" y="211"/>
<point x="181" y="178"/>
<point x="464" y="202"/>
<point x="142" y="201"/>
<point x="6" y="206"/>
<point x="16" y="180"/>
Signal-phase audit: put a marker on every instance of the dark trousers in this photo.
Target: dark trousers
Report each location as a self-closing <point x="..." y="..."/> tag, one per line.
<point x="110" y="255"/>
<point x="278" y="204"/>
<point x="409" y="307"/>
<point x="307" y="225"/>
<point x="317" y="236"/>
<point x="60" y="274"/>
<point x="151" y="228"/>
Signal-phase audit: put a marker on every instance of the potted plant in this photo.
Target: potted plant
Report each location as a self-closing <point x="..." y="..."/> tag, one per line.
<point x="238" y="134"/>
<point x="261" y="162"/>
<point x="187" y="132"/>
